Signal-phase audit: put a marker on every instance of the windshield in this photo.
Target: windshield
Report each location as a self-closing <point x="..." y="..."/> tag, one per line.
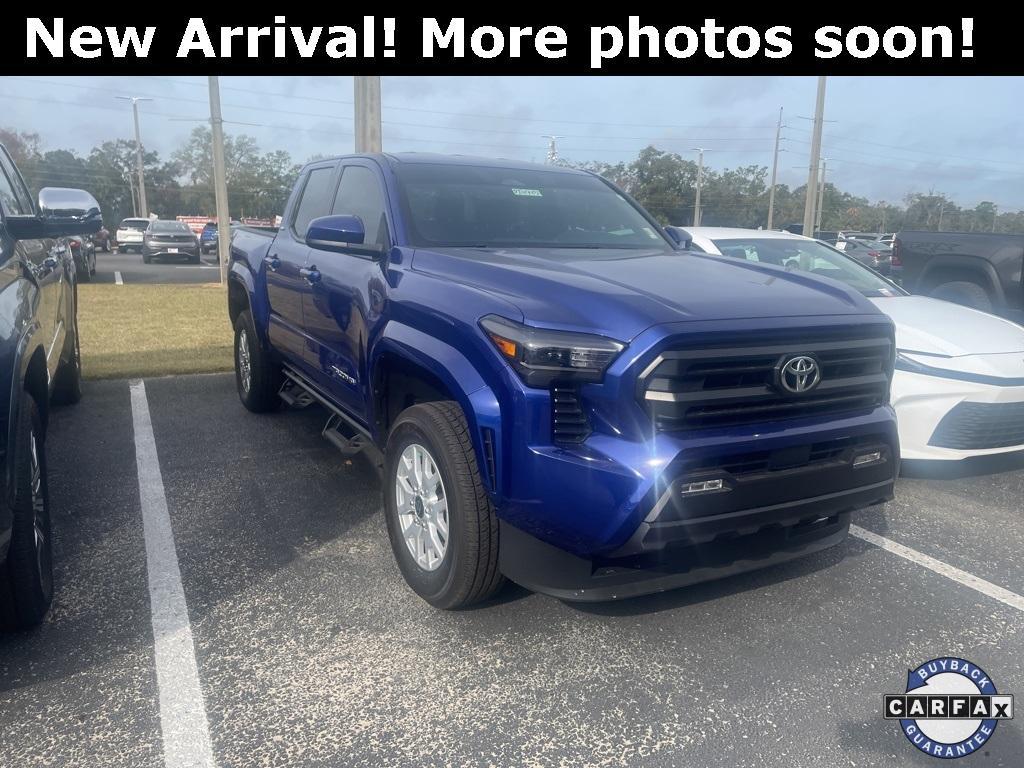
<point x="810" y="256"/>
<point x="460" y="205"/>
<point x="176" y="227"/>
<point x="134" y="224"/>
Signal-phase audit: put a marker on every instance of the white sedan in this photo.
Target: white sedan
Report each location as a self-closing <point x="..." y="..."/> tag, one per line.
<point x="959" y="383"/>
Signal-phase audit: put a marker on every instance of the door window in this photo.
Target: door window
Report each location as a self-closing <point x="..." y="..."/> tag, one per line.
<point x="359" y="194"/>
<point x="315" y="200"/>
<point x="13" y="195"/>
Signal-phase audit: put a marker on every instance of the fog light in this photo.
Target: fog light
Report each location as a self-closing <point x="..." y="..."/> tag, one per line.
<point x="703" y="487"/>
<point x="867" y="458"/>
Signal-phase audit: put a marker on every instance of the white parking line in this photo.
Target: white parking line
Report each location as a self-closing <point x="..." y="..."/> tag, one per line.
<point x="1004" y="596"/>
<point x="117" y="278"/>
<point x="183" y="722"/>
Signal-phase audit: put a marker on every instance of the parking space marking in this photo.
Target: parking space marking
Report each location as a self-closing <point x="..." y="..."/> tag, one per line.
<point x="117" y="278"/>
<point x="183" y="721"/>
<point x="1004" y="596"/>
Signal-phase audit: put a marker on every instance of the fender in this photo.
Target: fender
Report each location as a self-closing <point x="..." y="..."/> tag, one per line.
<point x="459" y="376"/>
<point x="242" y="275"/>
<point x="966" y="264"/>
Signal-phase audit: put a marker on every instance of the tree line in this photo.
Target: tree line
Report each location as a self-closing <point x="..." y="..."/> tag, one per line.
<point x="663" y="182"/>
<point x="258" y="182"/>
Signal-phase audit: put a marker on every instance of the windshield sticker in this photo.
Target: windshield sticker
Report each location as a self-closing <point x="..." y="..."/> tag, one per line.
<point x="526" y="192"/>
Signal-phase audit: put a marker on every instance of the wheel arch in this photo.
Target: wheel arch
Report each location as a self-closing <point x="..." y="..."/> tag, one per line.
<point x="941" y="270"/>
<point x="408" y="366"/>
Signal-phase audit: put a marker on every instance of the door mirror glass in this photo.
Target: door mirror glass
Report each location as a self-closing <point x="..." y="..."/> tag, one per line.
<point x="342" y="232"/>
<point x="65" y="211"/>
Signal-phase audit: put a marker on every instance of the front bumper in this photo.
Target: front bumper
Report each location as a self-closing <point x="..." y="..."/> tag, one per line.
<point x="922" y="402"/>
<point x="610" y="519"/>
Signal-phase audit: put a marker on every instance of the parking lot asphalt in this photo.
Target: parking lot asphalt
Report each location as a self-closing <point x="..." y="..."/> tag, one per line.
<point x="131" y="269"/>
<point x="311" y="651"/>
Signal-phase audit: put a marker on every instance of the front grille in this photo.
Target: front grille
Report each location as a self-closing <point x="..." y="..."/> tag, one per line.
<point x="732" y="385"/>
<point x="756" y="462"/>
<point x="979" y="426"/>
<point x="569" y="423"/>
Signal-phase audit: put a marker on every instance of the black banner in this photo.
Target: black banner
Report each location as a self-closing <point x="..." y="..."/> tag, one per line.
<point x="530" y="42"/>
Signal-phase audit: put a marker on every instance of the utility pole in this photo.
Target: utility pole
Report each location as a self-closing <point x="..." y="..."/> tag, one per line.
<point x="220" y="182"/>
<point x="138" y="151"/>
<point x="821" y="197"/>
<point x="812" y="173"/>
<point x="552" y="157"/>
<point x="775" y="170"/>
<point x="995" y="215"/>
<point x="367" y="98"/>
<point x="942" y="210"/>
<point x="131" y="188"/>
<point x="700" y="179"/>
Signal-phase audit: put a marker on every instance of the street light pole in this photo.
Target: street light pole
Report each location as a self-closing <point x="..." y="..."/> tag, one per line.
<point x="812" y="173"/>
<point x="700" y="179"/>
<point x="775" y="170"/>
<point x="138" y="151"/>
<point x="367" y="113"/>
<point x="220" y="184"/>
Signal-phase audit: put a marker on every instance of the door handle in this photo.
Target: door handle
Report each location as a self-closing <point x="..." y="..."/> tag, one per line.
<point x="272" y="262"/>
<point x="312" y="275"/>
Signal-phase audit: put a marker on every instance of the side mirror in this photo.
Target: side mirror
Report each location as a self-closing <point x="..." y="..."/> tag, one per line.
<point x="65" y="212"/>
<point x="340" y="233"/>
<point x="681" y="236"/>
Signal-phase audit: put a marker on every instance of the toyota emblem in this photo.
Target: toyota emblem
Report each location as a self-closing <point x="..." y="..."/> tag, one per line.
<point x="799" y="374"/>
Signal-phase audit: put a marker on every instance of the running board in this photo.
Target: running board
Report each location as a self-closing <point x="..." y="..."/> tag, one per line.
<point x="341" y="430"/>
<point x="295" y="396"/>
<point x="348" y="444"/>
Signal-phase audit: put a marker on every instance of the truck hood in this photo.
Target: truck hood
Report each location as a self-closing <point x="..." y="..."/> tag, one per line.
<point x="934" y="327"/>
<point x="619" y="293"/>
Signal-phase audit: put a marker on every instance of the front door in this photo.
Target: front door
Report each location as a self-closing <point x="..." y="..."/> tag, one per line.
<point x="346" y="301"/>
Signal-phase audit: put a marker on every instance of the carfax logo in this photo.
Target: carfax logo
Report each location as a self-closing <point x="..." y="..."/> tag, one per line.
<point x="950" y="708"/>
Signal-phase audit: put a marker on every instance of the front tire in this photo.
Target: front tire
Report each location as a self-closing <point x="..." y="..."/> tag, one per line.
<point x="442" y="526"/>
<point x="29" y="572"/>
<point x="146" y="258"/>
<point x="257" y="377"/>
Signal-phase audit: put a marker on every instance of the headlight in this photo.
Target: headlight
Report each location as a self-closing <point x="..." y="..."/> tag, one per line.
<point x="541" y="356"/>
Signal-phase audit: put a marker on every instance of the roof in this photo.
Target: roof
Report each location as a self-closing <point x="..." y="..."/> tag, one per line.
<point x="436" y="158"/>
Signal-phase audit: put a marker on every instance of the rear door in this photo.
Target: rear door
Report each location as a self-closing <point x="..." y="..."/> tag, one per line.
<point x="287" y="258"/>
<point x="342" y="307"/>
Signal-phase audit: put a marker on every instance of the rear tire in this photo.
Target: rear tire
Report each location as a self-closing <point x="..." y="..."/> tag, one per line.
<point x="29" y="572"/>
<point x="964" y="292"/>
<point x="194" y="259"/>
<point x="466" y="571"/>
<point x="257" y="377"/>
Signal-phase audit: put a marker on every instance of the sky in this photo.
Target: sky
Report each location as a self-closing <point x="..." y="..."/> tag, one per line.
<point x="884" y="136"/>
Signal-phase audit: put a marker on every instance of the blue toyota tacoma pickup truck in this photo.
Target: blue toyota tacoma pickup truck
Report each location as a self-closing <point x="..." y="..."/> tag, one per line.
<point x="556" y="390"/>
<point x="39" y="363"/>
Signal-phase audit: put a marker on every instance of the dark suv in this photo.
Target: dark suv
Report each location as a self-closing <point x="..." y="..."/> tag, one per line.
<point x="39" y="362"/>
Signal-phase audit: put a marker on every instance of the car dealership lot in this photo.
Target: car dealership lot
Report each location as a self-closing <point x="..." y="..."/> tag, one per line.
<point x="310" y="649"/>
<point x="130" y="269"/>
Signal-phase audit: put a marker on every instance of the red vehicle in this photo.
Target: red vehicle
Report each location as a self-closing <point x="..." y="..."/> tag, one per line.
<point x="102" y="240"/>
